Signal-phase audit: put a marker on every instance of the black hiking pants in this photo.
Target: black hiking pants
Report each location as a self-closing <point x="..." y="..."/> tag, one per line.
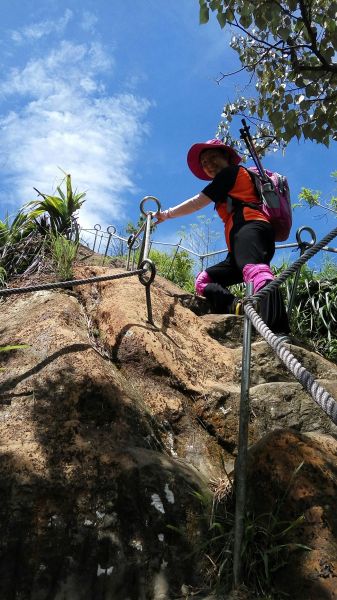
<point x="251" y="243"/>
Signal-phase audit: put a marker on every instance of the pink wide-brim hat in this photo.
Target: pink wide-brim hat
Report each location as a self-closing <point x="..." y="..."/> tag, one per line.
<point x="193" y="156"/>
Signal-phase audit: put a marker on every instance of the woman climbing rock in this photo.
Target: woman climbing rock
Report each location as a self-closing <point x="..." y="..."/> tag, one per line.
<point x="249" y="235"/>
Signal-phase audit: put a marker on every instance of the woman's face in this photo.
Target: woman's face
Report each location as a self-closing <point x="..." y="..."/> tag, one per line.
<point x="213" y="161"/>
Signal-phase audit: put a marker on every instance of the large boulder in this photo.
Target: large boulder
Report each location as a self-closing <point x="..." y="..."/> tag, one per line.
<point x="91" y="501"/>
<point x="292" y="475"/>
<point x="109" y="424"/>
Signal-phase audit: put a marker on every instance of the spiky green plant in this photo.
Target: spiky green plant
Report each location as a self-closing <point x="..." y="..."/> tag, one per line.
<point x="14" y="230"/>
<point x="61" y="209"/>
<point x="3" y="276"/>
<point x="314" y="315"/>
<point x="13" y="347"/>
<point x="19" y="243"/>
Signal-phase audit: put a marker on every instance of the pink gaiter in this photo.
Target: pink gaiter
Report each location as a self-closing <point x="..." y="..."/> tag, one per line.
<point x="201" y="281"/>
<point x="259" y="274"/>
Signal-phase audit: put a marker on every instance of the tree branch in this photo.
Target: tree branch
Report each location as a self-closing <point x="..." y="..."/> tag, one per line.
<point x="312" y="35"/>
<point x="284" y="10"/>
<point x="254" y="37"/>
<point x="223" y="75"/>
<point x="326" y="68"/>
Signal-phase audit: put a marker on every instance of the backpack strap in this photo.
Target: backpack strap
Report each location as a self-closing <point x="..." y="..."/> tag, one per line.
<point x="234" y="203"/>
<point x="257" y="181"/>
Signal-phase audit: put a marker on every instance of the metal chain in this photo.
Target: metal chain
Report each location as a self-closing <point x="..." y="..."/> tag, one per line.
<point x="67" y="284"/>
<point x="324" y="400"/>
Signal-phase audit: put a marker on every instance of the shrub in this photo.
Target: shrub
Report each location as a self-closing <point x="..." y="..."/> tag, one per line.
<point x="314" y="315"/>
<point x="176" y="267"/>
<point x="63" y="252"/>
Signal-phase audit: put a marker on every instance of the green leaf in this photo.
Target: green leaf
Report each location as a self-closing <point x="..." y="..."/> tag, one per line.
<point x="245" y="20"/>
<point x="284" y="33"/>
<point x="277" y="118"/>
<point x="15" y="347"/>
<point x="203" y="14"/>
<point x="222" y="19"/>
<point x="229" y="14"/>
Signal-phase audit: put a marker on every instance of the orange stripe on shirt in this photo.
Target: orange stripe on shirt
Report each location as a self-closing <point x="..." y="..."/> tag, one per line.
<point x="242" y="191"/>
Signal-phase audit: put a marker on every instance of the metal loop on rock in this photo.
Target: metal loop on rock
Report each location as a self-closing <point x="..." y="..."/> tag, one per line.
<point x="145" y="200"/>
<point x="307" y="254"/>
<point x="97" y="227"/>
<point x="148" y="268"/>
<point x="303" y="243"/>
<point x="131" y="239"/>
<point x="113" y="228"/>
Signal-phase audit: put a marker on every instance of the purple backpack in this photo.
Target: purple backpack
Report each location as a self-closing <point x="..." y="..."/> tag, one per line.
<point x="275" y="201"/>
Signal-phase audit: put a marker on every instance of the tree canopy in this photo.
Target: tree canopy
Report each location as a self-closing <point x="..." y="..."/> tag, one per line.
<point x="288" y="48"/>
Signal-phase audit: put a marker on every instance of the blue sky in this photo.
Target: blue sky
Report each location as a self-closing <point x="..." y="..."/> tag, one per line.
<point x="115" y="93"/>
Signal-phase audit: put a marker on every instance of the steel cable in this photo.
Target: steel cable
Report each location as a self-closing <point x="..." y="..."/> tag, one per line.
<point x="67" y="284"/>
<point x="324" y="400"/>
<point x="321" y="396"/>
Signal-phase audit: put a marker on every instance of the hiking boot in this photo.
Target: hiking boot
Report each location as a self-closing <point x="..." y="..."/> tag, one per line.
<point x="219" y="297"/>
<point x="197" y="304"/>
<point x="236" y="307"/>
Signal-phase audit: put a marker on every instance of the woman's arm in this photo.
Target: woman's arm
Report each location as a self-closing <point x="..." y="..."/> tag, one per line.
<point x="185" y="208"/>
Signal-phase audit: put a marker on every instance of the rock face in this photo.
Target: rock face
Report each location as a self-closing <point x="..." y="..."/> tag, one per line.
<point x="108" y="425"/>
<point x="310" y="493"/>
<point x="88" y="490"/>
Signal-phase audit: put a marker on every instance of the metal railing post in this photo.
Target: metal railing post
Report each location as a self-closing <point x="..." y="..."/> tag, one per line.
<point x="302" y="247"/>
<point x="97" y="228"/>
<point x="174" y="257"/>
<point x="144" y="261"/>
<point x="241" y="462"/>
<point x="145" y="247"/>
<point x="108" y="242"/>
<point x="147" y="236"/>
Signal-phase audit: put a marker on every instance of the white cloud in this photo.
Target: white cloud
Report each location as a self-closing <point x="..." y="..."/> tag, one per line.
<point x="39" y="30"/>
<point x="67" y="120"/>
<point x="61" y="69"/>
<point x="88" y="21"/>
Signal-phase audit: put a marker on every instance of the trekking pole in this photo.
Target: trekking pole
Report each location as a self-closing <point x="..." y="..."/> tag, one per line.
<point x="268" y="192"/>
<point x="247" y="138"/>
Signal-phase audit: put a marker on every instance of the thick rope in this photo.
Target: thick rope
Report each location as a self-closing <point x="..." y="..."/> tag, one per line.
<point x="67" y="284"/>
<point x="324" y="400"/>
